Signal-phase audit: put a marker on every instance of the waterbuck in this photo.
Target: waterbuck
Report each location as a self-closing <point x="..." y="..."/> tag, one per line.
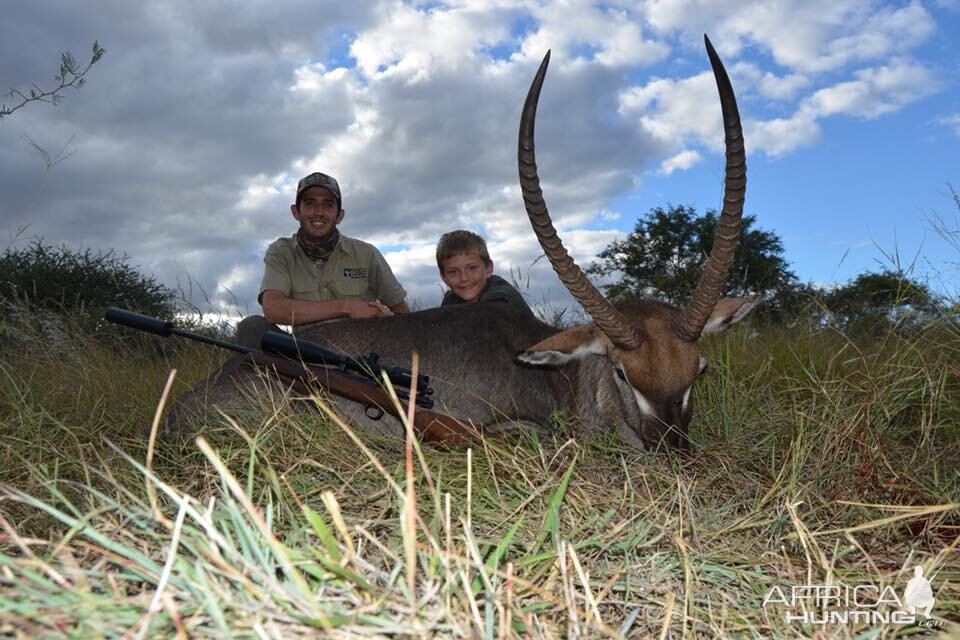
<point x="630" y="371"/>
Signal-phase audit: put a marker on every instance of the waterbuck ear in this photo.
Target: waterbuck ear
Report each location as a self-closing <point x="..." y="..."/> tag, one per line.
<point x="727" y="312"/>
<point x="567" y="346"/>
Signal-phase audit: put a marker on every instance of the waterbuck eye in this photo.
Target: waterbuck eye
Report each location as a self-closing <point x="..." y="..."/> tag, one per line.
<point x="620" y="373"/>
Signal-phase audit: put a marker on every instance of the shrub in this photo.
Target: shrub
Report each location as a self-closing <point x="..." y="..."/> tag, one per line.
<point x="80" y="284"/>
<point x="879" y="301"/>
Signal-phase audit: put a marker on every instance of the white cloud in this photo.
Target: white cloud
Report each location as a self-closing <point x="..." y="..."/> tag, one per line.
<point x="314" y="78"/>
<point x="677" y="110"/>
<point x="262" y="190"/>
<point x="585" y="244"/>
<point x="782" y="87"/>
<point x="876" y="91"/>
<point x="683" y="160"/>
<point x="684" y="112"/>
<point x="802" y="35"/>
<point x="887" y="32"/>
<point x="781" y="135"/>
<point x="624" y="45"/>
<point x="415" y="267"/>
<point x="578" y="32"/>
<point x="846" y="97"/>
<point x="413" y="43"/>
<point x="234" y="277"/>
<point x="952" y="121"/>
<point x="768" y="84"/>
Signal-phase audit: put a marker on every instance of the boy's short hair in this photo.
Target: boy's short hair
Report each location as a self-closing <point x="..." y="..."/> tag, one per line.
<point x="455" y="243"/>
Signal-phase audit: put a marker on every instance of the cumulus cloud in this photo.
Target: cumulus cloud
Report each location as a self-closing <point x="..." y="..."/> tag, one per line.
<point x="580" y="32"/>
<point x="802" y="35"/>
<point x="412" y="44"/>
<point x="770" y="85"/>
<point x="876" y="91"/>
<point x="193" y="130"/>
<point x="782" y="135"/>
<point x="684" y="111"/>
<point x="676" y="110"/>
<point x="683" y="160"/>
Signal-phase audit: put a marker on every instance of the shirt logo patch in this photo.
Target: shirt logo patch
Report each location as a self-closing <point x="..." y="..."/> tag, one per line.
<point x="355" y="273"/>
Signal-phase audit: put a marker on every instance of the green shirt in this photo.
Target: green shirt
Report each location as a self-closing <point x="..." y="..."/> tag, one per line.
<point x="496" y="290"/>
<point x="355" y="269"/>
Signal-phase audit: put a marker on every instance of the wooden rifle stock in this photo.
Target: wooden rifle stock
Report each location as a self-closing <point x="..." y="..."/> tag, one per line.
<point x="429" y="426"/>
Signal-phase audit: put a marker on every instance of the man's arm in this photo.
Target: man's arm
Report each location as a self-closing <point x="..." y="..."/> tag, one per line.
<point x="400" y="307"/>
<point x="282" y="309"/>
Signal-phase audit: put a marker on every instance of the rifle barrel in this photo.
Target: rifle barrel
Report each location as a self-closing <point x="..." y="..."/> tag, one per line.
<point x="163" y="328"/>
<point x="139" y="321"/>
<point x="233" y="346"/>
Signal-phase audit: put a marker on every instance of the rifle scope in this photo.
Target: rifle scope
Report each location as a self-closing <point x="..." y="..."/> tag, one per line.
<point x="312" y="353"/>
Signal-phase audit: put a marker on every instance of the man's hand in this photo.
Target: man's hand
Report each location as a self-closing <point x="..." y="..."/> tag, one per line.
<point x="281" y="309"/>
<point x="365" y="309"/>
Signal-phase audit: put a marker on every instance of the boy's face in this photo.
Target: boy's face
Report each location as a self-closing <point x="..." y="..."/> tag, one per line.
<point x="466" y="275"/>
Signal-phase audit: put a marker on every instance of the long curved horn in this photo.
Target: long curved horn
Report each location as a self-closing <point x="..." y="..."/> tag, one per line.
<point x="694" y="317"/>
<point x="610" y="321"/>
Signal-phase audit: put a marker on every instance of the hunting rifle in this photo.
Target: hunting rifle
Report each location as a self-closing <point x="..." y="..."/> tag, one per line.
<point x="302" y="362"/>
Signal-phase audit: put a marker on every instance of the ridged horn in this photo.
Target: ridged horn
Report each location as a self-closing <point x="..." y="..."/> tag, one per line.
<point x="695" y="315"/>
<point x="610" y="321"/>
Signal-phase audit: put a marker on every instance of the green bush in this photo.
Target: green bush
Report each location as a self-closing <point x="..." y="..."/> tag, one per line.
<point x="879" y="301"/>
<point x="80" y="284"/>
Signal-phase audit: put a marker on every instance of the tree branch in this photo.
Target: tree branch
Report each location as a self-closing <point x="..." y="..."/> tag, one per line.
<point x="70" y="76"/>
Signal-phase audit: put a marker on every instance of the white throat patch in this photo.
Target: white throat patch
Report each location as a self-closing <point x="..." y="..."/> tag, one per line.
<point x="645" y="406"/>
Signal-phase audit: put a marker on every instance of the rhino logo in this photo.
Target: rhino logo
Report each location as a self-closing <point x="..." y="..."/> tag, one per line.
<point x="919" y="593"/>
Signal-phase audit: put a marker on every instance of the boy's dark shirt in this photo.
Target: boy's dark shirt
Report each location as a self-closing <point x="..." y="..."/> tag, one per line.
<point x="496" y="290"/>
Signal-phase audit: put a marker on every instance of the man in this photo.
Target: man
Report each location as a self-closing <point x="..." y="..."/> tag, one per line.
<point x="319" y="274"/>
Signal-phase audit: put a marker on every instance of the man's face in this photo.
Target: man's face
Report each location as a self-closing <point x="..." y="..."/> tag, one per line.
<point x="318" y="214"/>
<point x="466" y="275"/>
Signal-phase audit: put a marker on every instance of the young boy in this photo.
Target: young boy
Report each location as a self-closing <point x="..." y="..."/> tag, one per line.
<point x="466" y="267"/>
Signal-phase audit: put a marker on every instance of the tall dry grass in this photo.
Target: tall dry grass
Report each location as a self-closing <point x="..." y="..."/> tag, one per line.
<point x="819" y="458"/>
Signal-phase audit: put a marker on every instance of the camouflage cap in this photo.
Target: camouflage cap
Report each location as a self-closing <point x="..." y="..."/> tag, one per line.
<point x="318" y="179"/>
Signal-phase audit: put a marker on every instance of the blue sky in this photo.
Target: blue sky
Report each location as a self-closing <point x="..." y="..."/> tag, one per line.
<point x="189" y="138"/>
<point x="868" y="187"/>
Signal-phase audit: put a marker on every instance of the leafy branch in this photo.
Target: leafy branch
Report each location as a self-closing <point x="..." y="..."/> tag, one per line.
<point x="71" y="75"/>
